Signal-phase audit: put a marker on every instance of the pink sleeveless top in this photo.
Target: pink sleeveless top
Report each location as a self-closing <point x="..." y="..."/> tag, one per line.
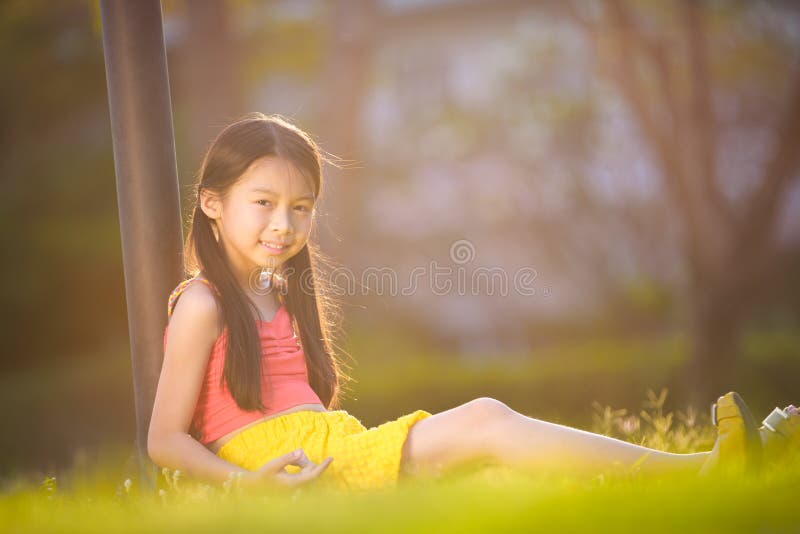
<point x="284" y="385"/>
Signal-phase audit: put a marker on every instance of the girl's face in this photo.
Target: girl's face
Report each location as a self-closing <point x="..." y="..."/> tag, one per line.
<point x="265" y="218"/>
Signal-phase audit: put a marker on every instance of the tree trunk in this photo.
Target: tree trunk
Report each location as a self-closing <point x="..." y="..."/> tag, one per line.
<point x="715" y="320"/>
<point x="213" y="83"/>
<point x="345" y="82"/>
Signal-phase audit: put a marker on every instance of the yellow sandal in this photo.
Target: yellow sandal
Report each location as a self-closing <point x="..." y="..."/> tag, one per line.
<point x="738" y="448"/>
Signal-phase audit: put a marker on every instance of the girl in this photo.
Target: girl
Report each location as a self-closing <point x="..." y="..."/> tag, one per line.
<point x="250" y="377"/>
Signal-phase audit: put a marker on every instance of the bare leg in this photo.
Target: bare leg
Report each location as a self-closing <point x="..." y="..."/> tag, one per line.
<point x="486" y="428"/>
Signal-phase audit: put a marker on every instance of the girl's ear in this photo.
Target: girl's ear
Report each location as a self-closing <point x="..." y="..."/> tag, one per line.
<point x="211" y="204"/>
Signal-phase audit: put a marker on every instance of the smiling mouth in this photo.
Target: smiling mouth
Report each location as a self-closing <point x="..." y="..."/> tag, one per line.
<point x="273" y="247"/>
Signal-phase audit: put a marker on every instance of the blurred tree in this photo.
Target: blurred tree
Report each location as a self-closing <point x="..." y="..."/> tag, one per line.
<point x="485" y="120"/>
<point x="61" y="274"/>
<point x="673" y="67"/>
<point x="350" y="38"/>
<point x="210" y="63"/>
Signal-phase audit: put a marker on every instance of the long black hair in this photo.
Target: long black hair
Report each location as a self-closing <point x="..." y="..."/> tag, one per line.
<point x="307" y="298"/>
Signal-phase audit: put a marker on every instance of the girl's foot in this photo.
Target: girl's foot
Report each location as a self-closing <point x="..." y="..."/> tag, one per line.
<point x="738" y="448"/>
<point x="780" y="432"/>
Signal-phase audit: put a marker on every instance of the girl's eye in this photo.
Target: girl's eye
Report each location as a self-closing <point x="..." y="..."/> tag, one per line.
<point x="267" y="202"/>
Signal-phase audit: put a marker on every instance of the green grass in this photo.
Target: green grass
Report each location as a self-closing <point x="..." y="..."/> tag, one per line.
<point x="95" y="496"/>
<point x="493" y="502"/>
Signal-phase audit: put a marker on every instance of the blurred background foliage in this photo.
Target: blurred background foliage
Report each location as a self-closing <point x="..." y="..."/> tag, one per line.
<point x="641" y="157"/>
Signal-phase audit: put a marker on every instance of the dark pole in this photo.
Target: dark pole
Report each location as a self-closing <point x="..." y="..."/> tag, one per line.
<point x="147" y="190"/>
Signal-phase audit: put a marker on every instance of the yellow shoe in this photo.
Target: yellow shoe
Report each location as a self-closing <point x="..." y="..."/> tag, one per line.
<point x="738" y="448"/>
<point x="780" y="432"/>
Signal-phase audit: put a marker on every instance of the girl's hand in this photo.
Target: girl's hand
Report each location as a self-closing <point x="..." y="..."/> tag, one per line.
<point x="274" y="472"/>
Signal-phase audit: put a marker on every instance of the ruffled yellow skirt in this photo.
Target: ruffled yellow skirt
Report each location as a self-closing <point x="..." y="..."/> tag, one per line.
<point x="362" y="458"/>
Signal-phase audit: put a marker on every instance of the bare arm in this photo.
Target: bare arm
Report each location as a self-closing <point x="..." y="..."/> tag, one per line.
<point x="192" y="331"/>
<point x="183" y="452"/>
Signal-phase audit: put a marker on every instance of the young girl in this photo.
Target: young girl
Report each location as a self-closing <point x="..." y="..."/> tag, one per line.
<point x="250" y="376"/>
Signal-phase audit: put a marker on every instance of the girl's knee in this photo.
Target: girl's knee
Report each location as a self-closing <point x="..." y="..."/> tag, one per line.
<point x="467" y="432"/>
<point x="486" y="409"/>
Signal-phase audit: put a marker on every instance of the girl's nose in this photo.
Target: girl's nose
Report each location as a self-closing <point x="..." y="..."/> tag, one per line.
<point x="280" y="222"/>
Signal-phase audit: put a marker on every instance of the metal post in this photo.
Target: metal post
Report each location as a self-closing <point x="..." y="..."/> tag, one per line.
<point x="148" y="193"/>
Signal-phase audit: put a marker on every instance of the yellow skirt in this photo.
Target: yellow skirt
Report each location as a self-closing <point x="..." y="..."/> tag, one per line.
<point x="362" y="458"/>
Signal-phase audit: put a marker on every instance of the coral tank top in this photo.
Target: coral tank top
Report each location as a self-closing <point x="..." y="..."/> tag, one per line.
<point x="284" y="385"/>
